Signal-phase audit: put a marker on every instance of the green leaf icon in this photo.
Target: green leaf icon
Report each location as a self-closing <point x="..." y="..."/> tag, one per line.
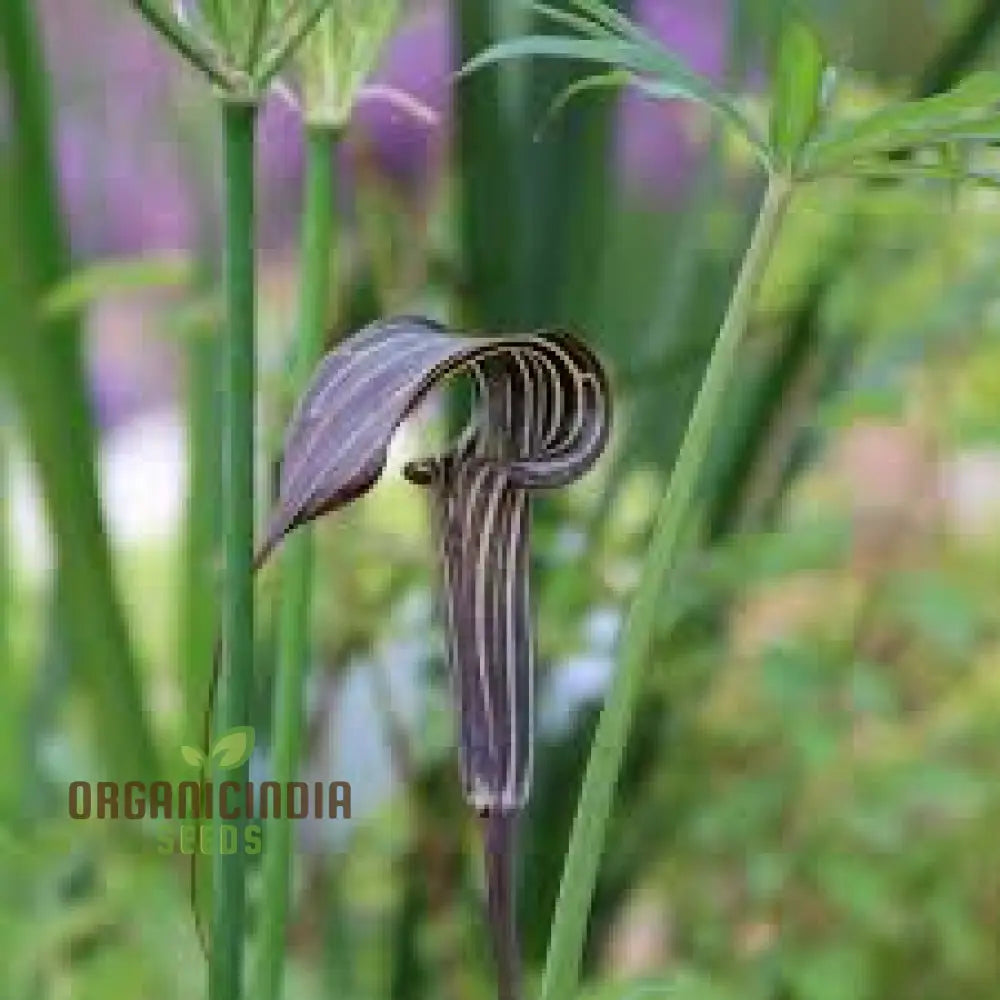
<point x="193" y="756"/>
<point x="234" y="748"/>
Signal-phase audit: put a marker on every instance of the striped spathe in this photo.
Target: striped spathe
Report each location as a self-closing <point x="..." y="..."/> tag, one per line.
<point x="541" y="420"/>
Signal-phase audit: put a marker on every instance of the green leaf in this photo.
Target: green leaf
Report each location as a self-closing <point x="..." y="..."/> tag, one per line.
<point x="234" y="748"/>
<point x="902" y="170"/>
<point x="611" y="80"/>
<point x="108" y="277"/>
<point x="574" y="21"/>
<point x="971" y="111"/>
<point x="798" y="84"/>
<point x="612" y="20"/>
<point x="612" y="51"/>
<point x="193" y="756"/>
<point x="651" y="70"/>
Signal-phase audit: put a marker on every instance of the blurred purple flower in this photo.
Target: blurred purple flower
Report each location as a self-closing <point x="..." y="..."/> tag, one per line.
<point x="279" y="172"/>
<point x="417" y="62"/>
<point x="125" y="175"/>
<point x="656" y="151"/>
<point x="120" y="172"/>
<point x="121" y="198"/>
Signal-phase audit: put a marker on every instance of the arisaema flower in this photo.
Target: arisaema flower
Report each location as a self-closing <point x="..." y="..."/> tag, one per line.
<point x="541" y="419"/>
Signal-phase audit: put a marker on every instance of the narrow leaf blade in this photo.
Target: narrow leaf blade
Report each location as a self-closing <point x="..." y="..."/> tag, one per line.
<point x="612" y="80"/>
<point x="797" y="91"/>
<point x="611" y="51"/>
<point x="109" y="277"/>
<point x="569" y="20"/>
<point x="970" y="110"/>
<point x="653" y="71"/>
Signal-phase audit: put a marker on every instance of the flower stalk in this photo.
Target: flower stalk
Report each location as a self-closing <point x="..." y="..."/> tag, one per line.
<point x="236" y="664"/>
<point x="295" y="610"/>
<point x="590" y="826"/>
<point x="329" y="69"/>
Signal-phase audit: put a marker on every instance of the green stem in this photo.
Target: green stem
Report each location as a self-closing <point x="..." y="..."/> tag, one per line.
<point x="199" y="605"/>
<point x="587" y="838"/>
<point x="296" y="568"/>
<point x="236" y="665"/>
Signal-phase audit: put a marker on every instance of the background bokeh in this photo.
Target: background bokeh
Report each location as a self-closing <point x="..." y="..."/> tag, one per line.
<point x="809" y="807"/>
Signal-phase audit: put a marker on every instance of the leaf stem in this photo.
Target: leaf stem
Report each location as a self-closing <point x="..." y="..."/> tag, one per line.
<point x="296" y="567"/>
<point x="587" y="837"/>
<point x="236" y="666"/>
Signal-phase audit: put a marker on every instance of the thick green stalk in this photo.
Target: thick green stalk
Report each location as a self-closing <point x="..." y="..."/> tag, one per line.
<point x="587" y="838"/>
<point x="198" y="610"/>
<point x="198" y="600"/>
<point x="48" y="386"/>
<point x="296" y="568"/>
<point x="236" y="665"/>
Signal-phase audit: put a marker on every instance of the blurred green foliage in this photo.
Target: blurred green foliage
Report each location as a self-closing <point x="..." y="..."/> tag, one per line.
<point x="809" y="805"/>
